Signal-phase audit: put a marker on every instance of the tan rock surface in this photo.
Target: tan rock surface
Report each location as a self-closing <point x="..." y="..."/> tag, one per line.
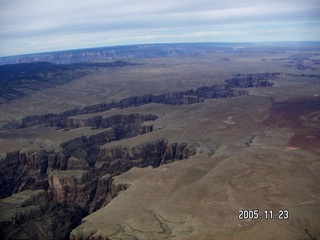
<point x="72" y="187"/>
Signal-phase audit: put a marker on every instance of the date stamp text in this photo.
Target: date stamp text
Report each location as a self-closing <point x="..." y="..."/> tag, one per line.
<point x="255" y="214"/>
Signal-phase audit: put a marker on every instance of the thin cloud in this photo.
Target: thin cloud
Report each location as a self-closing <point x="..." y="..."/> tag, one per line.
<point x="37" y="25"/>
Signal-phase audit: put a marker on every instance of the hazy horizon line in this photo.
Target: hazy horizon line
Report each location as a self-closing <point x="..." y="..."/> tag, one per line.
<point x="160" y="43"/>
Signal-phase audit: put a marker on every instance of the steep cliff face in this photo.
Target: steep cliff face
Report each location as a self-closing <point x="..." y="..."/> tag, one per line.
<point x="8" y="168"/>
<point x="29" y="205"/>
<point x="117" y="160"/>
<point x="118" y="127"/>
<point x="77" y="164"/>
<point x="57" y="160"/>
<point x="121" y="158"/>
<point x="28" y="169"/>
<point x="22" y="170"/>
<point x="104" y="193"/>
<point x="32" y="214"/>
<point x="87" y="148"/>
<point x="73" y="188"/>
<point x="257" y="80"/>
<point x="115" y="121"/>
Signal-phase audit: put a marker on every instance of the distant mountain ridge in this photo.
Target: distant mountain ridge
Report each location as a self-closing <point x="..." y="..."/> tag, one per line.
<point x="113" y="53"/>
<point x="142" y="51"/>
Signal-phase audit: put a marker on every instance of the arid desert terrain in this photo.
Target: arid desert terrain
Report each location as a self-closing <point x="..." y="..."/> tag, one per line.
<point x="170" y="141"/>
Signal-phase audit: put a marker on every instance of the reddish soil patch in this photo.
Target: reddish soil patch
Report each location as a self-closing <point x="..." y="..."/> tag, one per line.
<point x="288" y="114"/>
<point x="308" y="139"/>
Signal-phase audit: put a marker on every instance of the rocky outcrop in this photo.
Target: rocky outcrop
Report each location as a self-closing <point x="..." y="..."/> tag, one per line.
<point x="73" y="188"/>
<point x="25" y="207"/>
<point x="23" y="200"/>
<point x="68" y="194"/>
<point x="121" y="158"/>
<point x="177" y="151"/>
<point x="77" y="164"/>
<point x="57" y="160"/>
<point x="105" y="192"/>
<point x="22" y="170"/>
<point x="146" y="128"/>
<point x="28" y="169"/>
<point x="65" y="120"/>
<point x="252" y="80"/>
<point x="86" y="148"/>
<point x="118" y="127"/>
<point x="32" y="214"/>
<point x="9" y="164"/>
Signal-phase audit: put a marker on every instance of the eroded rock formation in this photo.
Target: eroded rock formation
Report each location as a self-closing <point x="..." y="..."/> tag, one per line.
<point x="78" y="175"/>
<point x="33" y="214"/>
<point x="73" y="188"/>
<point x="121" y="158"/>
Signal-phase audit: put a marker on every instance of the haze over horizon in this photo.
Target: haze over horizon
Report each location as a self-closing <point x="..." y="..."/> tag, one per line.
<point x="45" y="26"/>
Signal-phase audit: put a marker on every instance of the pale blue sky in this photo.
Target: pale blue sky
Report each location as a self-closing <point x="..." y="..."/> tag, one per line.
<point x="29" y="26"/>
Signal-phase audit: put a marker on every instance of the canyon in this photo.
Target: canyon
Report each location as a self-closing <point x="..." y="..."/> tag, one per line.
<point x="140" y="157"/>
<point x="78" y="175"/>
